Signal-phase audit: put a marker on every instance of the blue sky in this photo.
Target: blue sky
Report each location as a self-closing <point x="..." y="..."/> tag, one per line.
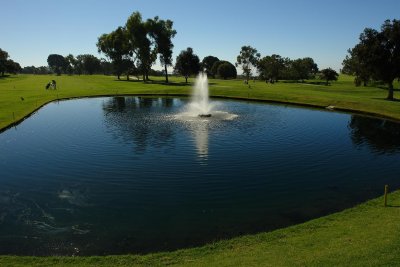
<point x="323" y="30"/>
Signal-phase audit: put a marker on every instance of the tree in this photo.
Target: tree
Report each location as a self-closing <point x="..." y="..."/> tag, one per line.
<point x="140" y="44"/>
<point x="71" y="62"/>
<point x="227" y="70"/>
<point x="354" y="65"/>
<point x="57" y="63"/>
<point x="3" y="61"/>
<point x="377" y="55"/>
<point x="162" y="32"/>
<point x="207" y="64"/>
<point x="271" y="67"/>
<point x="215" y="66"/>
<point x="12" y="67"/>
<point x="248" y="59"/>
<point x="329" y="75"/>
<point x="107" y="67"/>
<point x="115" y="46"/>
<point x="7" y="64"/>
<point x="304" y="68"/>
<point x="187" y="63"/>
<point x="90" y="64"/>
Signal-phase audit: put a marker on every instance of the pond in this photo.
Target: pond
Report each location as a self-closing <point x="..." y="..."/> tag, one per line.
<point x="129" y="175"/>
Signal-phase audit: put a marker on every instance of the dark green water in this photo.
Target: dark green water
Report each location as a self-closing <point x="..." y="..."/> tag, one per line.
<point x="126" y="175"/>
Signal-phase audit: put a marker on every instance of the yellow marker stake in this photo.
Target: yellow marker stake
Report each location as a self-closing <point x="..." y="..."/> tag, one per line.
<point x="385" y="196"/>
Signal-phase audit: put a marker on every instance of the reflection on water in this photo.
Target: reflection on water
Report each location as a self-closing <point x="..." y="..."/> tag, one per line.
<point x="201" y="137"/>
<point x="138" y="174"/>
<point x="127" y="118"/>
<point x="379" y="134"/>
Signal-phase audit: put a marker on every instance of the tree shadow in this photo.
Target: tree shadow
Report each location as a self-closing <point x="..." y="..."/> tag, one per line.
<point x="385" y="99"/>
<point x="393" y="206"/>
<point x="6" y="76"/>
<point x="161" y="82"/>
<point x="385" y="88"/>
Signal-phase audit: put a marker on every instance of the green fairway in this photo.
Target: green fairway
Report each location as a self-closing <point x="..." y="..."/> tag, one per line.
<point x="366" y="235"/>
<point x="22" y="94"/>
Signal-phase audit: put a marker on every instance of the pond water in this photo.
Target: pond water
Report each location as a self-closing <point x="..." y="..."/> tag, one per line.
<point x="127" y="175"/>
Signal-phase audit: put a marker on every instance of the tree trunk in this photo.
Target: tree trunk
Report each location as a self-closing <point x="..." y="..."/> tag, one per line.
<point x="118" y="76"/>
<point x="186" y="77"/>
<point x="166" y="73"/>
<point x="127" y="77"/>
<point x="390" y="91"/>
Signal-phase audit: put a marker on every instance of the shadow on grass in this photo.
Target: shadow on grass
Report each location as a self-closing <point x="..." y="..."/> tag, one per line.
<point x="393" y="206"/>
<point x="385" y="99"/>
<point x="7" y="76"/>
<point x="385" y="88"/>
<point x="161" y="82"/>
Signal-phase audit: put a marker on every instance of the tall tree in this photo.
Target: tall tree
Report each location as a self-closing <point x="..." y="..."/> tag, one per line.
<point x="162" y="33"/>
<point x="207" y="64"/>
<point x="138" y="34"/>
<point x="248" y="59"/>
<point x="378" y="53"/>
<point x="115" y="46"/>
<point x="329" y="75"/>
<point x="187" y="63"/>
<point x="71" y="62"/>
<point x="3" y="61"/>
<point x="57" y="63"/>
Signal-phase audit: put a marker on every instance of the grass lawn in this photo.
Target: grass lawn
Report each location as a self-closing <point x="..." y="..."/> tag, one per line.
<point x="22" y="94"/>
<point x="366" y="235"/>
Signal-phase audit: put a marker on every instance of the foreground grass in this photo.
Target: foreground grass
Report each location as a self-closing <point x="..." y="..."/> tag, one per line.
<point x="367" y="235"/>
<point x="22" y="94"/>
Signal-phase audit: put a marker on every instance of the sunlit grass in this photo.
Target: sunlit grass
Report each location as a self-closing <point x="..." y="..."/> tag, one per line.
<point x="22" y="94"/>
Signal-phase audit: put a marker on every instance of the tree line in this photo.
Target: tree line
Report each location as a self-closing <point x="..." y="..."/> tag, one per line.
<point x="133" y="49"/>
<point x="275" y="67"/>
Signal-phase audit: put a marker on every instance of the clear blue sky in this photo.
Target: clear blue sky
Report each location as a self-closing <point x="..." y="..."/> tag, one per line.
<point x="323" y="30"/>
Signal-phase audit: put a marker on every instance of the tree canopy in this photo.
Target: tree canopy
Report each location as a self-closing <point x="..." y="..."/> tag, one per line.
<point x="7" y="64"/>
<point x="248" y="59"/>
<point x="226" y="70"/>
<point x="187" y="63"/>
<point x="57" y="63"/>
<point x="135" y="46"/>
<point x="207" y="64"/>
<point x="377" y="55"/>
<point x="162" y="33"/>
<point x="329" y="75"/>
<point x="116" y="47"/>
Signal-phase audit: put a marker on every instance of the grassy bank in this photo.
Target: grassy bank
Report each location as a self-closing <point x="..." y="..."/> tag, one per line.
<point x="22" y="94"/>
<point x="367" y="235"/>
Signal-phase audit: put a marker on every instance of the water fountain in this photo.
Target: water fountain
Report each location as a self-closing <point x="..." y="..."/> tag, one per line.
<point x="200" y="105"/>
<point x="200" y="108"/>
